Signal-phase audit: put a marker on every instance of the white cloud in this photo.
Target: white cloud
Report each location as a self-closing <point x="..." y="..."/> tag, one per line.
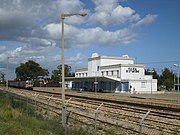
<point x="20" y="17"/>
<point x="3" y="57"/>
<point x="74" y="60"/>
<point x="76" y="20"/>
<point x="109" y="12"/>
<point x="53" y="30"/>
<point x="35" y="23"/>
<point x="149" y="19"/>
<point x="75" y="37"/>
<point x="2" y="48"/>
<point x="36" y="26"/>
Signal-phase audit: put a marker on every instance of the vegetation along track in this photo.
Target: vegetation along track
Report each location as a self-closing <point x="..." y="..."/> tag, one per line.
<point x="158" y="119"/>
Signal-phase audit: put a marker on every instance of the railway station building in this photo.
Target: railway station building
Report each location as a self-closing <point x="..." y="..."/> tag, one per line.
<point x="112" y="74"/>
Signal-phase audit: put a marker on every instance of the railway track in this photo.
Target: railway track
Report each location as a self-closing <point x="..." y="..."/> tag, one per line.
<point x="133" y="115"/>
<point x="121" y="115"/>
<point x="148" y="103"/>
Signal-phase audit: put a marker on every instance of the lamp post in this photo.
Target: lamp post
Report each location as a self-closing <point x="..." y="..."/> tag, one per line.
<point x="95" y="85"/>
<point x="177" y="65"/>
<point x="151" y="71"/>
<point x="81" y="13"/>
<point x="7" y="74"/>
<point x="174" y="81"/>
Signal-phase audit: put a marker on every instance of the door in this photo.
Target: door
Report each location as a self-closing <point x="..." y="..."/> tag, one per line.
<point x="124" y="86"/>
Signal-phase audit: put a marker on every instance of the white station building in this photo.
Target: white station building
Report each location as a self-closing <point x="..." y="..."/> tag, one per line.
<point x="112" y="74"/>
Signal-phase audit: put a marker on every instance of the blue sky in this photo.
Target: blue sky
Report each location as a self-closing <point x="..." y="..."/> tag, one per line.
<point x="147" y="30"/>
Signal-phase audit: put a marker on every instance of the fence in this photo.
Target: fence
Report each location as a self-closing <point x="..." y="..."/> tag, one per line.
<point x="86" y="122"/>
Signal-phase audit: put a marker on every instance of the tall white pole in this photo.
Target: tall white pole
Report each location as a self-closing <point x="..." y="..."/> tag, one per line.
<point x="177" y="65"/>
<point x="63" y="81"/>
<point x="178" y="83"/>
<point x="151" y="79"/>
<point x="151" y="85"/>
<point x="7" y="73"/>
<point x="63" y="71"/>
<point x="174" y="81"/>
<point x="95" y="83"/>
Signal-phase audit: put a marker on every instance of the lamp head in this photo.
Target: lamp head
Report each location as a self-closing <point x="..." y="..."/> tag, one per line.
<point x="82" y="13"/>
<point x="176" y="65"/>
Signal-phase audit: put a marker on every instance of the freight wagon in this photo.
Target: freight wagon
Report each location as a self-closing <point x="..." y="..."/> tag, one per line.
<point x="21" y="84"/>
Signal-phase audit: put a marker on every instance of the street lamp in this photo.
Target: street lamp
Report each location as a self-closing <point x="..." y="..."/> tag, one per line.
<point x="151" y="71"/>
<point x="81" y="13"/>
<point x="177" y="65"/>
<point x="7" y="73"/>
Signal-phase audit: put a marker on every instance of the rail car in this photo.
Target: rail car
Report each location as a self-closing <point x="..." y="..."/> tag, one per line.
<point x="21" y="84"/>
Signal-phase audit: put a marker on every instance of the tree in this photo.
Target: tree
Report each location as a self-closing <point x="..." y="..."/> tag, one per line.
<point x="57" y="74"/>
<point x="167" y="79"/>
<point x="154" y="73"/>
<point x="30" y="70"/>
<point x="2" y="77"/>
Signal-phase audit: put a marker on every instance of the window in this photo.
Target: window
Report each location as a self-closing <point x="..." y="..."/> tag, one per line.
<point x="102" y="73"/>
<point x="117" y="72"/>
<point x="106" y="72"/>
<point x="112" y="73"/>
<point x="98" y="68"/>
<point x="143" y="84"/>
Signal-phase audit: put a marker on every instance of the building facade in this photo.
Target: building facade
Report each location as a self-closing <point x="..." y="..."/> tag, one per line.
<point x="113" y="74"/>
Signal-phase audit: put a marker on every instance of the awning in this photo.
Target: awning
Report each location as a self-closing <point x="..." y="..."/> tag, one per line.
<point x="92" y="79"/>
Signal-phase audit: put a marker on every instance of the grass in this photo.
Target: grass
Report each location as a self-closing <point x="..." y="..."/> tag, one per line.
<point x="14" y="122"/>
<point x="18" y="118"/>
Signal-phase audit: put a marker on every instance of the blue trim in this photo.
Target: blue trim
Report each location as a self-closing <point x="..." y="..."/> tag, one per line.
<point x="124" y="86"/>
<point x="176" y="84"/>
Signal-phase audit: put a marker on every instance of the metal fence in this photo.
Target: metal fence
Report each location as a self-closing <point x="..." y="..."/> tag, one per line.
<point x="90" y="121"/>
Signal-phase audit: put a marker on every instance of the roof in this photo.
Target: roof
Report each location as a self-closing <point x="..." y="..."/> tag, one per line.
<point x="111" y="57"/>
<point x="92" y="78"/>
<point x="122" y="65"/>
<point x="82" y="69"/>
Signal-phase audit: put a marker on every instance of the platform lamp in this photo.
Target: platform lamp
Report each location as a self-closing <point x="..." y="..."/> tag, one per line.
<point x="7" y="73"/>
<point x="81" y="13"/>
<point x="177" y="65"/>
<point x="151" y="71"/>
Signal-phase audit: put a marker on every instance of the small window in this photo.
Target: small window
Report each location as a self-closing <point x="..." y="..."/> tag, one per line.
<point x="106" y="72"/>
<point x="98" y="68"/>
<point x="112" y="73"/>
<point x="102" y="73"/>
<point x="143" y="84"/>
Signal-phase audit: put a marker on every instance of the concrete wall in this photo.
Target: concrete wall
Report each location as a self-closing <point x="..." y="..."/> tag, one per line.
<point x="132" y="72"/>
<point x="143" y="86"/>
<point x="94" y="67"/>
<point x="108" y="61"/>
